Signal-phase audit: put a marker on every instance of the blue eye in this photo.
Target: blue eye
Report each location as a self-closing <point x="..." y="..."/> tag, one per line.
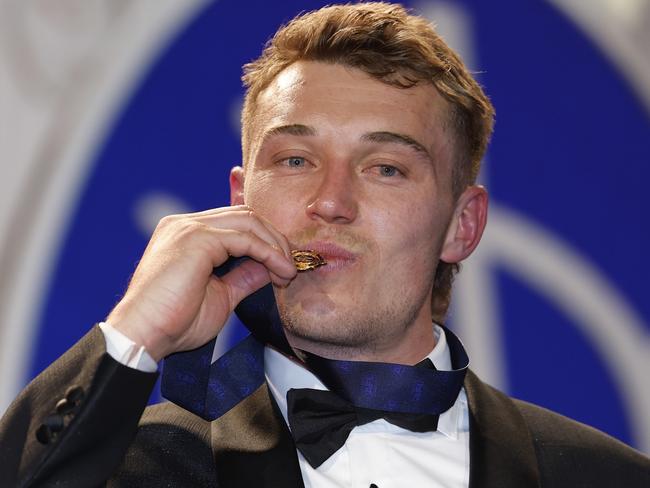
<point x="295" y="162"/>
<point x="388" y="171"/>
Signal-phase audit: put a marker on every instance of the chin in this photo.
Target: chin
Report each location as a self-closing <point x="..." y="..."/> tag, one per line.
<point x="328" y="332"/>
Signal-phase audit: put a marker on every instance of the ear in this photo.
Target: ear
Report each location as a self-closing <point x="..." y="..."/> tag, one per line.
<point x="237" y="186"/>
<point x="466" y="226"/>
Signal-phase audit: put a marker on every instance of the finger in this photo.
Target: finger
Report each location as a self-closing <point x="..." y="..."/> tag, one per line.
<point x="213" y="211"/>
<point x="244" y="280"/>
<point x="228" y="242"/>
<point x="223" y="217"/>
<point x="284" y="242"/>
<point x="244" y="219"/>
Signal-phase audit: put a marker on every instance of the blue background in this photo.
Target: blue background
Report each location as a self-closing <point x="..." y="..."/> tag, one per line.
<point x="569" y="152"/>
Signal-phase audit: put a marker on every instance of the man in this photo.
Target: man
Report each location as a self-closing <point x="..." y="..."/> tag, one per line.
<point x="362" y="136"/>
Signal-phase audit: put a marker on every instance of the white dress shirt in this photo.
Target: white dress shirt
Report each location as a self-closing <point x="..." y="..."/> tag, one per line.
<point x="376" y="453"/>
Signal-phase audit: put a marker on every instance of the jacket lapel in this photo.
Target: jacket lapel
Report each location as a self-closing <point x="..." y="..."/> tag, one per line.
<point x="252" y="445"/>
<point x="502" y="454"/>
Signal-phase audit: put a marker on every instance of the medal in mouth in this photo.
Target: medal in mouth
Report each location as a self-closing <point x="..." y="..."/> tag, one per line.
<point x="307" y="260"/>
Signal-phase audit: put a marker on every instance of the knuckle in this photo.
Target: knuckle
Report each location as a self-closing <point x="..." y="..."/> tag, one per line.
<point x="249" y="246"/>
<point x="167" y="220"/>
<point x="188" y="229"/>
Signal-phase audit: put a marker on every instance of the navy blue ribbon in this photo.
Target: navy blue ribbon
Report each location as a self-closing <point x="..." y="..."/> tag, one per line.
<point x="210" y="390"/>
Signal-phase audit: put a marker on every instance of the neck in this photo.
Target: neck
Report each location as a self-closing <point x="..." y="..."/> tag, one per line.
<point x="410" y="348"/>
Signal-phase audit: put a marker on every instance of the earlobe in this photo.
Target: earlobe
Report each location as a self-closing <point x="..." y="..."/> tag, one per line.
<point x="237" y="186"/>
<point x="467" y="225"/>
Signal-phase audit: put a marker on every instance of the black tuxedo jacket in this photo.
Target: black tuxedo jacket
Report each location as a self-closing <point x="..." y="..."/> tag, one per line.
<point x="102" y="437"/>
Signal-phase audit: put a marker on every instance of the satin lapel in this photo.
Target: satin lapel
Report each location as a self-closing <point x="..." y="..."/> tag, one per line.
<point x="252" y="446"/>
<point x="502" y="454"/>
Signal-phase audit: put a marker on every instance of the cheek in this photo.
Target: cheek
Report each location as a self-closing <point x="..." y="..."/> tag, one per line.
<point x="412" y="237"/>
<point x="260" y="193"/>
<point x="266" y="198"/>
<point x="260" y="196"/>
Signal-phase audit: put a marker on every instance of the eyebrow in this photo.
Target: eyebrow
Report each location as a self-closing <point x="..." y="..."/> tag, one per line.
<point x="376" y="137"/>
<point x="291" y="130"/>
<point x="401" y="139"/>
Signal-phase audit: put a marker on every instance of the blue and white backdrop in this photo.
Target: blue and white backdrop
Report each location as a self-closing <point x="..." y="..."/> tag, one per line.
<point x="114" y="113"/>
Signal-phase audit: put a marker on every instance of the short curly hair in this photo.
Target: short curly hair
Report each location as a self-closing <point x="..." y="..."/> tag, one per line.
<point x="400" y="49"/>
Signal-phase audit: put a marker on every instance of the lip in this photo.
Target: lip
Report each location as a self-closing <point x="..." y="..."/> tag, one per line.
<point x="335" y="256"/>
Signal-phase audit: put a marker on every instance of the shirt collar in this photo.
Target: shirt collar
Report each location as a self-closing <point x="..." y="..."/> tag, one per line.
<point x="282" y="374"/>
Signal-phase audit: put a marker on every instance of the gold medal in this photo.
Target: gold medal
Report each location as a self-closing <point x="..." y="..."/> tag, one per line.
<point x="307" y="260"/>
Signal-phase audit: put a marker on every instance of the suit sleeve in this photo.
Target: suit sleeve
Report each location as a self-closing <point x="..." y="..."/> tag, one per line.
<point x="73" y="423"/>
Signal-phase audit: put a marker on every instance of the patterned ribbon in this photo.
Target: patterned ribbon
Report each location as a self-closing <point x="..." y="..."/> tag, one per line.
<point x="210" y="390"/>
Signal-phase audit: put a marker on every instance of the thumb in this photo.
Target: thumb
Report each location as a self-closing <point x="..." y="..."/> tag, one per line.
<point x="245" y="279"/>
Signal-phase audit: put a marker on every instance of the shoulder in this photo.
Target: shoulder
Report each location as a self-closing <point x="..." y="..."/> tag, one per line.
<point x="566" y="453"/>
<point x="171" y="446"/>
<point x="580" y="454"/>
<point x="549" y="427"/>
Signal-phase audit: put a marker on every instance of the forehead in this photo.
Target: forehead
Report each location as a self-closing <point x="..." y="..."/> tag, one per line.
<point x="343" y="101"/>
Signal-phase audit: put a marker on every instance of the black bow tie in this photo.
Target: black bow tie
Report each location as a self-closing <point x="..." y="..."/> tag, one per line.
<point x="321" y="421"/>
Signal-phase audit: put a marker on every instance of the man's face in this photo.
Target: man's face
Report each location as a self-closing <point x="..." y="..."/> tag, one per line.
<point x="360" y="172"/>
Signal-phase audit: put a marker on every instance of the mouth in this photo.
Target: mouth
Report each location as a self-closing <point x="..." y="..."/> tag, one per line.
<point x="335" y="256"/>
<point x="307" y="260"/>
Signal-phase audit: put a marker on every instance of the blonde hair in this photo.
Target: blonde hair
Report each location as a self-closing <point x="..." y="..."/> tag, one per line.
<point x="387" y="42"/>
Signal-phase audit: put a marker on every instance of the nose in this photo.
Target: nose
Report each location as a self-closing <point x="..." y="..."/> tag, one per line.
<point x="335" y="200"/>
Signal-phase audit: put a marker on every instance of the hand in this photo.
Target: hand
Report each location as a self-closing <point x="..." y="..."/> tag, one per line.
<point x="174" y="302"/>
